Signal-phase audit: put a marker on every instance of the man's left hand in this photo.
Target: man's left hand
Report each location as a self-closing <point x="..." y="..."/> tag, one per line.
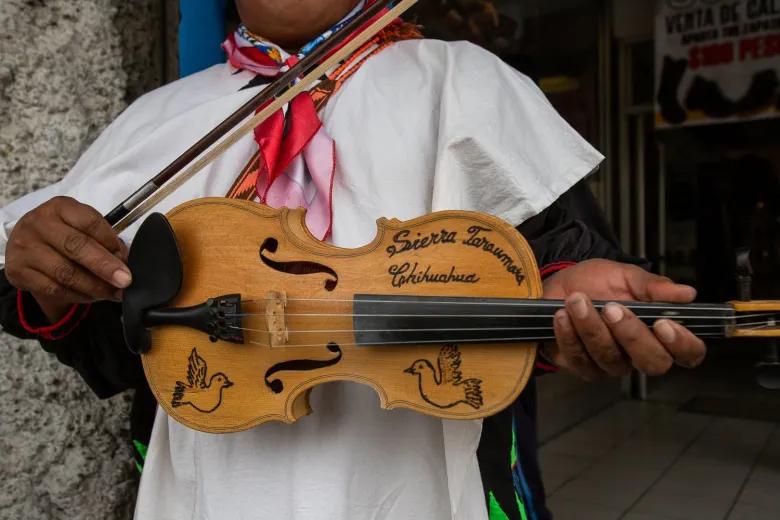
<point x="592" y="344"/>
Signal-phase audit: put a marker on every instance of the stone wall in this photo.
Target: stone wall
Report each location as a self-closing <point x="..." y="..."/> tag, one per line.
<point x="66" y="70"/>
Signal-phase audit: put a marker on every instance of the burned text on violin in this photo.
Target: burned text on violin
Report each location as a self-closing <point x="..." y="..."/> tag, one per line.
<point x="414" y="273"/>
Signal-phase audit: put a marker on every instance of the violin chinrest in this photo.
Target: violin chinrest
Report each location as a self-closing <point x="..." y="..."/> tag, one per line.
<point x="155" y="262"/>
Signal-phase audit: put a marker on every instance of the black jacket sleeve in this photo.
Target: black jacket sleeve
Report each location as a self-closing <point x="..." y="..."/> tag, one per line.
<point x="95" y="347"/>
<point x="573" y="229"/>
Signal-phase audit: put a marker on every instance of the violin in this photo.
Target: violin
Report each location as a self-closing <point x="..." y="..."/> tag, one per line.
<point x="239" y="312"/>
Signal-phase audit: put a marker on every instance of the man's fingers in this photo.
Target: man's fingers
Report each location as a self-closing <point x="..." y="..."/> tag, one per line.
<point x="123" y="252"/>
<point x="70" y="275"/>
<point x="645" y="286"/>
<point x="90" y="222"/>
<point x="647" y="354"/>
<point x="686" y="349"/>
<point x="87" y="252"/>
<point x="65" y="250"/>
<point x="665" y="290"/>
<point x="40" y="284"/>
<point x="572" y="353"/>
<point x="596" y="336"/>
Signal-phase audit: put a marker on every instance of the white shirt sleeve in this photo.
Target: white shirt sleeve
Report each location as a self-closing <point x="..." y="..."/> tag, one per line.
<point x="502" y="147"/>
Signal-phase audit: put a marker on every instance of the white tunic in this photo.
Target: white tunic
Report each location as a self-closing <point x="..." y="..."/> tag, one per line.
<point x="423" y="126"/>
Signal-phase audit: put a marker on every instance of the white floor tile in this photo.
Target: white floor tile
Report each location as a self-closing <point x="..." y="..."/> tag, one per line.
<point x="705" y="480"/>
<point x="610" y="486"/>
<point x="557" y="469"/>
<point x="762" y="490"/>
<point x="565" y="509"/>
<point x="753" y="512"/>
<point x="644" y="516"/>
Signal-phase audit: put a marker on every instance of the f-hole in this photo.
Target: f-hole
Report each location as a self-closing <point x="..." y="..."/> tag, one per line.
<point x="277" y="386"/>
<point x="298" y="267"/>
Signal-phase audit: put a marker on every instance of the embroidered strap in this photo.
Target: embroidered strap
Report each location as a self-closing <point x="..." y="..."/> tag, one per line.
<point x="323" y="91"/>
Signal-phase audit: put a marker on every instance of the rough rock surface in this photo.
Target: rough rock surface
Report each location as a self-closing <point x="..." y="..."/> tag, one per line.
<point x="66" y="69"/>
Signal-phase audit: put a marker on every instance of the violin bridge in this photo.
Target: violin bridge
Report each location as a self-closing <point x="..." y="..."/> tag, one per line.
<point x="275" y="305"/>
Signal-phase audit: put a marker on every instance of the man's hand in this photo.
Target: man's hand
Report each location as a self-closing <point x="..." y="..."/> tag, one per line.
<point x="592" y="344"/>
<point x="64" y="252"/>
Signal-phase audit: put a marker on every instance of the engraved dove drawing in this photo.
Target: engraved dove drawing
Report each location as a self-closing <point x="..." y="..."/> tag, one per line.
<point x="445" y="387"/>
<point x="196" y="393"/>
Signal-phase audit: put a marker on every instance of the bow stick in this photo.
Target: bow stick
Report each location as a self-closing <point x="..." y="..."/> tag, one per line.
<point x="279" y="93"/>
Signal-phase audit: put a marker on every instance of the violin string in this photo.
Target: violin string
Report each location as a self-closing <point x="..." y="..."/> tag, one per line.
<point x="348" y="314"/>
<point x="436" y="341"/>
<point x="509" y="303"/>
<point x="758" y="325"/>
<point x="324" y="331"/>
<point x="774" y="314"/>
<point x="447" y="329"/>
<point x="747" y="326"/>
<point x="767" y="323"/>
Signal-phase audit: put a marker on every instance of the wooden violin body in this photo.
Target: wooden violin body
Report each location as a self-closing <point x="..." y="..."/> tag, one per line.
<point x="304" y="324"/>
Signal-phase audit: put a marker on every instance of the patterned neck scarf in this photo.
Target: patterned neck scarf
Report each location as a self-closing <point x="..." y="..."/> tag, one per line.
<point x="296" y="158"/>
<point x="272" y="59"/>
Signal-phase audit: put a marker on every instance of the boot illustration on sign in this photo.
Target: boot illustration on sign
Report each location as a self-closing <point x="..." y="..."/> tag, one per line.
<point x="761" y="93"/>
<point x="671" y="75"/>
<point x="705" y="95"/>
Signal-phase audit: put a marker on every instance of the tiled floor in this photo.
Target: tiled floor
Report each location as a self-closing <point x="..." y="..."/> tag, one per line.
<point x="652" y="461"/>
<point x="648" y="461"/>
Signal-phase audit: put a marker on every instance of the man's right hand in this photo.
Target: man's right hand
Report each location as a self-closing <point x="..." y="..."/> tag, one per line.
<point x="65" y="252"/>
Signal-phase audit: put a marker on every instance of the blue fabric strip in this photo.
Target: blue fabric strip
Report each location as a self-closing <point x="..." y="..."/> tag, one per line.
<point x="521" y="486"/>
<point x="201" y="32"/>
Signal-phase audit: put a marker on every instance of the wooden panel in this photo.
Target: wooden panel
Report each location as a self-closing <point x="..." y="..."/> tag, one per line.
<point x="755" y="333"/>
<point x="756" y="305"/>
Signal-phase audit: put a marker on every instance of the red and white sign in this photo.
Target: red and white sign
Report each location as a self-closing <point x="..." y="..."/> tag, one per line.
<point x="717" y="61"/>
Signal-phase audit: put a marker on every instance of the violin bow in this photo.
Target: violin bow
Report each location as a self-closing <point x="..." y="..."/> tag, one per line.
<point x="280" y="92"/>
